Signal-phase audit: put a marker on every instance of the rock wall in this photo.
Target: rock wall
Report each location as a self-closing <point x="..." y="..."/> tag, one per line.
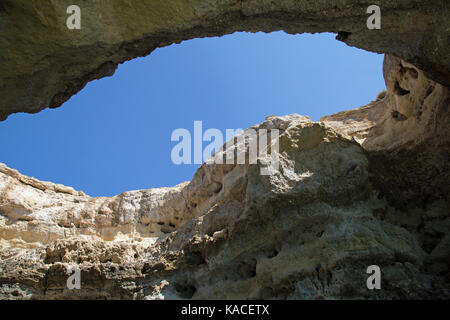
<point x="406" y="133"/>
<point x="361" y="187"/>
<point x="309" y="231"/>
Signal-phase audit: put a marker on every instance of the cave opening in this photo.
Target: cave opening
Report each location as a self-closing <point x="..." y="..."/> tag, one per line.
<point x="114" y="135"/>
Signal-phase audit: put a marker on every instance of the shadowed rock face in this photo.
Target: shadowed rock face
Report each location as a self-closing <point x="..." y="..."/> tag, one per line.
<point x="406" y="133"/>
<point x="363" y="187"/>
<point x="43" y="63"/>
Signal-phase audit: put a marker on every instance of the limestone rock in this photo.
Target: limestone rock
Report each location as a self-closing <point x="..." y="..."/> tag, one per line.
<point x="406" y="134"/>
<point x="308" y="231"/>
<point x="363" y="187"/>
<point x="43" y="63"/>
<point x="413" y="110"/>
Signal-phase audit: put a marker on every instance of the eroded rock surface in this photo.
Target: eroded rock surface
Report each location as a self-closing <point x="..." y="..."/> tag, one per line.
<point x="308" y="231"/>
<point x="362" y="187"/>
<point x="407" y="135"/>
<point x="42" y="63"/>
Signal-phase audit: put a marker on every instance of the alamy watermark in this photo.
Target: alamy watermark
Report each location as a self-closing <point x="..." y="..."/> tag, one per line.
<point x="251" y="146"/>
<point x="374" y="21"/>
<point x="374" y="281"/>
<point x="74" y="280"/>
<point x="73" y="22"/>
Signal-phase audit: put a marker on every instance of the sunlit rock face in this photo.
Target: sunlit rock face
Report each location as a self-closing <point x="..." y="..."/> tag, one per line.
<point x="307" y="231"/>
<point x="412" y="110"/>
<point x="362" y="187"/>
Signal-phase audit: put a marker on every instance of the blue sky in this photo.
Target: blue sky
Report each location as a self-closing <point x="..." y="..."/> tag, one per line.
<point x="115" y="135"/>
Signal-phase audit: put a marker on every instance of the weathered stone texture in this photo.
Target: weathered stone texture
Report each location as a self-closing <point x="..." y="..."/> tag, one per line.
<point x="43" y="63"/>
<point x="361" y="187"/>
<point x="306" y="232"/>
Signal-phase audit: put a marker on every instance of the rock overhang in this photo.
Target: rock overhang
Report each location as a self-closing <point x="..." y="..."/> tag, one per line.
<point x="44" y="63"/>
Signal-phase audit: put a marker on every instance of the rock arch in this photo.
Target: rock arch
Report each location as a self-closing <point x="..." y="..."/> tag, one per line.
<point x="44" y="63"/>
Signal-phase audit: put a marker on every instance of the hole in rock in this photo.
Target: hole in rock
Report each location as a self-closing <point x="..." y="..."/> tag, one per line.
<point x="398" y="116"/>
<point x="246" y="269"/>
<point x="195" y="258"/>
<point x="399" y="90"/>
<point x="185" y="290"/>
<point x="273" y="253"/>
<point x="115" y="135"/>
